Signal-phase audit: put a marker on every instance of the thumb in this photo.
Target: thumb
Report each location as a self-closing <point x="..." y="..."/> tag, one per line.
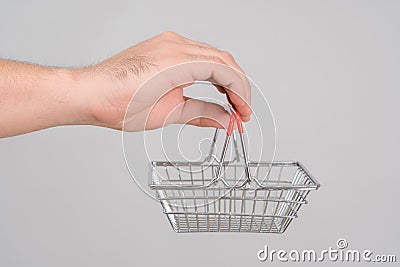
<point x="203" y="114"/>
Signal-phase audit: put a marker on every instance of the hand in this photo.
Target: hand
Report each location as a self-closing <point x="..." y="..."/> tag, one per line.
<point x="145" y="82"/>
<point x="157" y="101"/>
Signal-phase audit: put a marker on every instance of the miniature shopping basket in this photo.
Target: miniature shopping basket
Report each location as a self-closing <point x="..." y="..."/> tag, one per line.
<point x="215" y="195"/>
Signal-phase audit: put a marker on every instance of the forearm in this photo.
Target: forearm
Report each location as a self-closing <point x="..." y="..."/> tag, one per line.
<point x="35" y="97"/>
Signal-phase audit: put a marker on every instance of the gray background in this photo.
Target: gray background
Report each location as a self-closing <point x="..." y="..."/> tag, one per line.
<point x="330" y="70"/>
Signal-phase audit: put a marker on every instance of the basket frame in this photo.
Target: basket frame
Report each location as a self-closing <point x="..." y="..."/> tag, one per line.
<point x="286" y="196"/>
<point x="186" y="219"/>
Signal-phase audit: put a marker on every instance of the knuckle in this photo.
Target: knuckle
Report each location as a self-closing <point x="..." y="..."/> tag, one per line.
<point x="216" y="59"/>
<point x="169" y="34"/>
<point x="168" y="51"/>
<point x="227" y="55"/>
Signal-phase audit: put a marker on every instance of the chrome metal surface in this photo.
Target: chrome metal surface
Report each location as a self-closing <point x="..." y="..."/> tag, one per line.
<point x="218" y="195"/>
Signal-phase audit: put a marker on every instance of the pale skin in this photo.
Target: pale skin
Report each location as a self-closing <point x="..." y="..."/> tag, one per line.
<point x="34" y="97"/>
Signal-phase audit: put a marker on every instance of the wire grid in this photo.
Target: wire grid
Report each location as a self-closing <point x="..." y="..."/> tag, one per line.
<point x="218" y="208"/>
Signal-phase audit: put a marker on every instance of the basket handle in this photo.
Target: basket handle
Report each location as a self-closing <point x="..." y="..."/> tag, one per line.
<point x="244" y="150"/>
<point x="229" y="132"/>
<point x="234" y="117"/>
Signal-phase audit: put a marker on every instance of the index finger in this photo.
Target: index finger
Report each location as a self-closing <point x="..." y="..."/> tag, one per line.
<point x="218" y="72"/>
<point x="186" y="70"/>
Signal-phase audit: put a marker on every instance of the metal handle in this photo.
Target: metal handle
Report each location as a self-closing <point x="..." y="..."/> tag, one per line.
<point x="234" y="117"/>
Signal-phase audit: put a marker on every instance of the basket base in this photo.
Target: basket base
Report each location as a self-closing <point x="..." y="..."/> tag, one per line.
<point x="182" y="223"/>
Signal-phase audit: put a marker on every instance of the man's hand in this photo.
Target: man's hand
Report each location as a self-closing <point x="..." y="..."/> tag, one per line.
<point x="151" y="74"/>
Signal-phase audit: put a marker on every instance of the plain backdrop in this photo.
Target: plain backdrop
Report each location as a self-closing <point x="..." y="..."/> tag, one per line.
<point x="330" y="70"/>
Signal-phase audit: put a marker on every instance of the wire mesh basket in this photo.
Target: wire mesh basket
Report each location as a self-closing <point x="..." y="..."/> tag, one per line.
<point x="215" y="195"/>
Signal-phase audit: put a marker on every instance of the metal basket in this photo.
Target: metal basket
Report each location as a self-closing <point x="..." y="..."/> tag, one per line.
<point x="223" y="196"/>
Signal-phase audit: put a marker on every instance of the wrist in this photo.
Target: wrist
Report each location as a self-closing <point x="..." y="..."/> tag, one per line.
<point x="68" y="92"/>
<point x="103" y="98"/>
<point x="86" y="88"/>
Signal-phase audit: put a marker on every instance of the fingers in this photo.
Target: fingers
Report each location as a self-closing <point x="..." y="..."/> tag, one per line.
<point x="229" y="75"/>
<point x="201" y="50"/>
<point x="203" y="114"/>
<point x="223" y="76"/>
<point x="230" y="61"/>
<point x="220" y="88"/>
<point x="206" y="49"/>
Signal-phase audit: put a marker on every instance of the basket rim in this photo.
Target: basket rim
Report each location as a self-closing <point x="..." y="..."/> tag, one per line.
<point x="153" y="164"/>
